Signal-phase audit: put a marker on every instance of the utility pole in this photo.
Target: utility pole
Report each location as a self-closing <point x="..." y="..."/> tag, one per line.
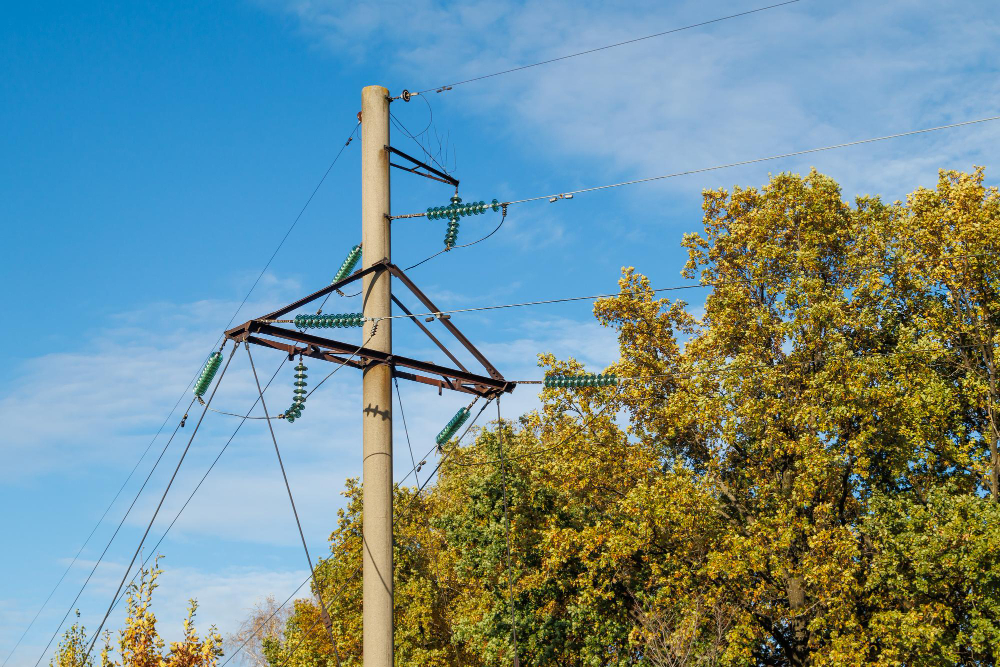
<point x="376" y="388"/>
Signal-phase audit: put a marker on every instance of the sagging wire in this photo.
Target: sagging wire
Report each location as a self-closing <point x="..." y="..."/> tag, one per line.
<point x="191" y="495"/>
<point x="357" y="570"/>
<point x="100" y="558"/>
<point x="295" y="512"/>
<point x="406" y="431"/>
<point x="156" y="512"/>
<point x="407" y="95"/>
<point x="569" y="194"/>
<point x="464" y="245"/>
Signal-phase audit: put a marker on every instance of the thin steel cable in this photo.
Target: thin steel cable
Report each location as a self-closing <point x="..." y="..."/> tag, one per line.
<point x="673" y="288"/>
<point x="191" y="495"/>
<point x="284" y="238"/>
<point x="231" y="320"/>
<point x="709" y="372"/>
<point x="506" y="519"/>
<point x="91" y="535"/>
<point x="295" y="511"/>
<point x="559" y="195"/>
<point x="356" y="570"/>
<point x="341" y="365"/>
<point x="603" y="48"/>
<point x="232" y="414"/>
<point x="765" y="366"/>
<point x="399" y="399"/>
<point x="110" y="541"/>
<point x="402" y="128"/>
<point x="160" y="504"/>
<point x="464" y="245"/>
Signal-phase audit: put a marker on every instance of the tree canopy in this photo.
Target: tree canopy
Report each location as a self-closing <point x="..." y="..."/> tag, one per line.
<point x="805" y="471"/>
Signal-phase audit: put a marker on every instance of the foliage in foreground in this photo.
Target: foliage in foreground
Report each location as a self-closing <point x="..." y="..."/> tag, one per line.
<point x="139" y="643"/>
<point x="807" y="473"/>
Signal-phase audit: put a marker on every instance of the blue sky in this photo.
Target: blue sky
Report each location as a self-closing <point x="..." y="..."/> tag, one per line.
<point x="154" y="154"/>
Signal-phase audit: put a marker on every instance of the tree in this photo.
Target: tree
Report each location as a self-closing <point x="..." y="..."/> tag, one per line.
<point x="139" y="642"/>
<point x="806" y="474"/>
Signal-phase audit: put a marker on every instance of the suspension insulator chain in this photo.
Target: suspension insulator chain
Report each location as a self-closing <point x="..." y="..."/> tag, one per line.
<point x="335" y="321"/>
<point x="457" y="210"/>
<point x="580" y="381"/>
<point x="452" y="427"/>
<point x="208" y="372"/>
<point x="347" y="268"/>
<point x="299" y="397"/>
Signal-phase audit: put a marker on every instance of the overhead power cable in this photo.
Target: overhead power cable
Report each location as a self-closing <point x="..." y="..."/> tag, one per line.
<point x="357" y="570"/>
<point x="295" y="511"/>
<point x="69" y="567"/>
<point x="449" y="86"/>
<point x="159" y="505"/>
<point x="181" y="398"/>
<point x="569" y="194"/>
<point x="674" y="288"/>
<point x="153" y="552"/>
<point x="503" y="218"/>
<point x="107" y="546"/>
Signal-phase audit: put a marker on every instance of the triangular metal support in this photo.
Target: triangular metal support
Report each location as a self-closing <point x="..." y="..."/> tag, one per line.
<point x="263" y="331"/>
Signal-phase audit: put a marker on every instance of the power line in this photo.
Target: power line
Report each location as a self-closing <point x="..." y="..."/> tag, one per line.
<point x="110" y="541"/>
<point x="449" y="86"/>
<point x="464" y="245"/>
<point x="406" y="430"/>
<point x="284" y="238"/>
<point x="291" y="500"/>
<point x="569" y="194"/>
<point x="358" y="569"/>
<point x="191" y="495"/>
<point x="231" y="320"/>
<point x="160" y="504"/>
<point x="673" y="288"/>
<point x="94" y="530"/>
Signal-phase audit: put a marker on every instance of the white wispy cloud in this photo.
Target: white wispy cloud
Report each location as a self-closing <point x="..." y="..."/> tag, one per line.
<point x="797" y="77"/>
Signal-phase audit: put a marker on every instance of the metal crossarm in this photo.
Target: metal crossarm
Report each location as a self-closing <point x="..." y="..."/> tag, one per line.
<point x="264" y="332"/>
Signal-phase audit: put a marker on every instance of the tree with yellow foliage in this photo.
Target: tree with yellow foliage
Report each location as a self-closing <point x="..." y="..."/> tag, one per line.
<point x="804" y="474"/>
<point x="139" y="642"/>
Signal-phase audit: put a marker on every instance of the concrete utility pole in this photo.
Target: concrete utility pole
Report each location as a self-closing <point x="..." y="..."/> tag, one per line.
<point x="376" y="390"/>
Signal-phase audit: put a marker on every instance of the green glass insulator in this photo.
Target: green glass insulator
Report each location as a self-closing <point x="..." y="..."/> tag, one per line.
<point x="496" y="206"/>
<point x="452" y="427"/>
<point x="455" y="199"/>
<point x="207" y="374"/>
<point x="347" y="268"/>
<point x="301" y="367"/>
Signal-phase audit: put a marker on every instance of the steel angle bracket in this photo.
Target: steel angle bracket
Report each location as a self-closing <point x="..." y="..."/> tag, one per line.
<point x="264" y="332"/>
